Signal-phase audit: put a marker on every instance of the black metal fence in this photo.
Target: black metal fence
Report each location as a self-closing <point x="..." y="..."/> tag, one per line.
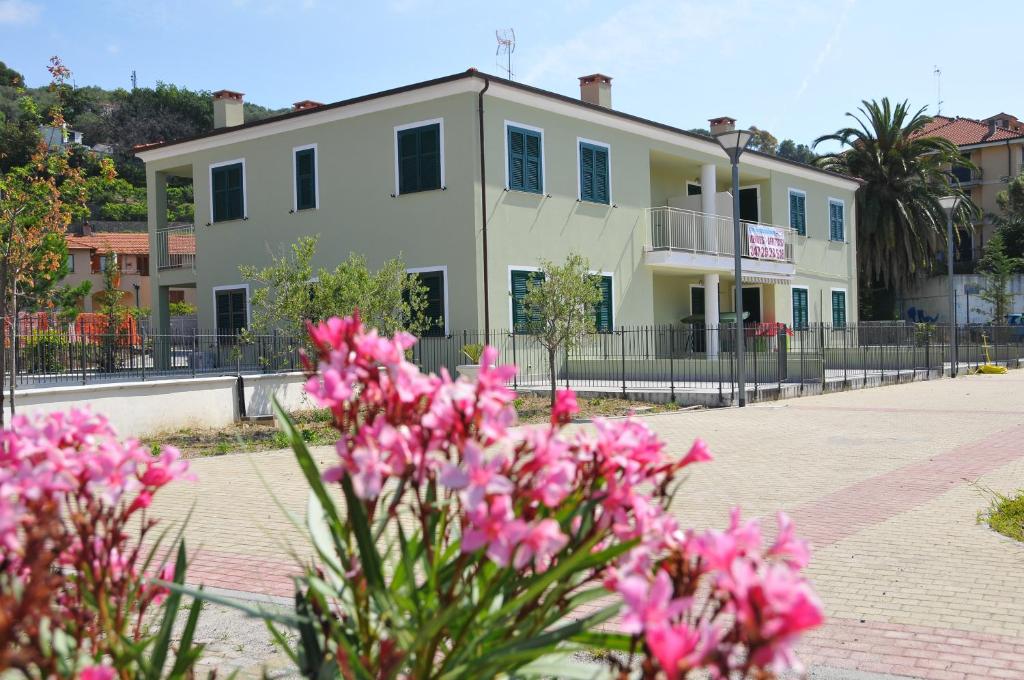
<point x="672" y="359"/>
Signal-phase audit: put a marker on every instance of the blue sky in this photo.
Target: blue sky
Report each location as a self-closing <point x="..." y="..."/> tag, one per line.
<point x="791" y="66"/>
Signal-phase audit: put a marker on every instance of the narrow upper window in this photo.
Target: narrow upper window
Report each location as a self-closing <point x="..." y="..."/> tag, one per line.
<point x="305" y="178"/>
<point x="839" y="309"/>
<point x="594" y="185"/>
<point x="419" y="158"/>
<point x="800" y="308"/>
<point x="836" y="220"/>
<point x="71" y="263"/>
<point x="798" y="211"/>
<point x="228" y="192"/>
<point x="525" y="167"/>
<point x="603" y="319"/>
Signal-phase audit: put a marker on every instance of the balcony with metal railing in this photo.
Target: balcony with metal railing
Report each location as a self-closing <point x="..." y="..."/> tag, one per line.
<point x="688" y="239"/>
<point x="176" y="248"/>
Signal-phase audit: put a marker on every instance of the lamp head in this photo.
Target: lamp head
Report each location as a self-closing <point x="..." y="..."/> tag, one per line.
<point x="734" y="142"/>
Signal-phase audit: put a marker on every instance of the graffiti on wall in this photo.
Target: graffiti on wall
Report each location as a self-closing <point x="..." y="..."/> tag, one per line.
<point x="918" y="315"/>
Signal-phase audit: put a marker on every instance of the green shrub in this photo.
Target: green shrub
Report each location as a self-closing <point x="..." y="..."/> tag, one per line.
<point x="45" y="351"/>
<point x="473" y="351"/>
<point x="181" y="309"/>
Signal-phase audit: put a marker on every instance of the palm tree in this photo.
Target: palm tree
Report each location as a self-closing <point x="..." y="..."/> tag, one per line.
<point x="900" y="224"/>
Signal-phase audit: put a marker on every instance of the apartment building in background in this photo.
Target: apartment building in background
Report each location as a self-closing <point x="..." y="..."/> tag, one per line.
<point x="995" y="146"/>
<point x="472" y="179"/>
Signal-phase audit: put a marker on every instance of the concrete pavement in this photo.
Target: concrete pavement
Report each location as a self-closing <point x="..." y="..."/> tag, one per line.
<point x="886" y="483"/>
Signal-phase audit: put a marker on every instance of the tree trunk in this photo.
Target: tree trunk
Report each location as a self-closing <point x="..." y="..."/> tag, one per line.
<point x="552" y="355"/>
<point x="14" y="341"/>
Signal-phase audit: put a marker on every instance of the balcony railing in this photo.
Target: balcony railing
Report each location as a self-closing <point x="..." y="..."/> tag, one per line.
<point x="704" y="234"/>
<point x="176" y="248"/>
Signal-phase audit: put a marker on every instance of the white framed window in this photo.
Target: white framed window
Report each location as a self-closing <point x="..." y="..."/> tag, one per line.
<point x="593" y="171"/>
<point x="419" y="156"/>
<point x="836" y="219"/>
<point x="525" y="168"/>
<point x="435" y="279"/>
<point x="305" y="178"/>
<point x="71" y="263"/>
<point x="228" y="193"/>
<point x="693" y="188"/>
<point x="231" y="308"/>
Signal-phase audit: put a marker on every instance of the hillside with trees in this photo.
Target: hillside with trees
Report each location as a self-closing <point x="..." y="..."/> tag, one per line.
<point x="118" y="119"/>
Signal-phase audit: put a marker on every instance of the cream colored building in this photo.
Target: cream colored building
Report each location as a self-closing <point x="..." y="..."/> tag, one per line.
<point x="472" y="179"/>
<point x="995" y="145"/>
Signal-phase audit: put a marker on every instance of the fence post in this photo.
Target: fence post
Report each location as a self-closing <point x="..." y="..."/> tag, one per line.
<point x="782" y="339"/>
<point x="515" y="376"/>
<point x="193" y="362"/>
<point x="821" y="350"/>
<point x="622" y="345"/>
<point x="142" y="352"/>
<point x="927" y="354"/>
<point x="82" y="341"/>
<point x="672" y="362"/>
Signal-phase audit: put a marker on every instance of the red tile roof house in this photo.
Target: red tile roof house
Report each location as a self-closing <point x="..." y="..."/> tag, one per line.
<point x="87" y="256"/>
<point x="995" y="145"/>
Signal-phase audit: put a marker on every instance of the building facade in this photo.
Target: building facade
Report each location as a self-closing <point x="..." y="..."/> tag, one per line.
<point x="472" y="179"/>
<point x="995" y="146"/>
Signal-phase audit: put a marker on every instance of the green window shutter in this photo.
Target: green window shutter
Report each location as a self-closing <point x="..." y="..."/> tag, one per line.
<point x="305" y="179"/>
<point x="434" y="283"/>
<point x="800" y="308"/>
<point x="603" y="313"/>
<point x="836" y="219"/>
<point x="798" y="213"/>
<point x="839" y="309"/>
<point x="601" y="193"/>
<point x="533" y="180"/>
<point x="430" y="157"/>
<point x="520" y="286"/>
<point x="408" y="162"/>
<point x="516" y="159"/>
<point x="586" y="172"/>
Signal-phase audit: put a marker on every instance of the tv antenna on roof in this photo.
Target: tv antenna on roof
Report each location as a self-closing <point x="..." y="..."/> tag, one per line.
<point x="938" y="90"/>
<point x="506" y="46"/>
<point x="135" y="80"/>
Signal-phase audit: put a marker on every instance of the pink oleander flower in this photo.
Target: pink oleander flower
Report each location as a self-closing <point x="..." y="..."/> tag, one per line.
<point x="539" y="543"/>
<point x="649" y="606"/>
<point x="97" y="673"/>
<point x="787" y="546"/>
<point x="565" y="406"/>
<point x="680" y="648"/>
<point x="719" y="549"/>
<point x="166" y="469"/>
<point x="495" y="527"/>
<point x="160" y="593"/>
<point x="698" y="453"/>
<point x="477" y="478"/>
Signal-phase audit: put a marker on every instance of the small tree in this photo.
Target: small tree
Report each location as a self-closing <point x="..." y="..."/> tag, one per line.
<point x="560" y="304"/>
<point x="291" y="292"/>
<point x="37" y="201"/>
<point x="113" y="312"/>
<point x="1010" y="218"/>
<point x="997" y="268"/>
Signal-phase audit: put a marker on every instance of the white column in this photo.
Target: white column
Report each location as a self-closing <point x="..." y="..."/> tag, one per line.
<point x="711" y="322"/>
<point x="708" y="189"/>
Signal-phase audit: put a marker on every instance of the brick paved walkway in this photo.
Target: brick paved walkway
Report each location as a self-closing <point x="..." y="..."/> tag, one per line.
<point x="881" y="481"/>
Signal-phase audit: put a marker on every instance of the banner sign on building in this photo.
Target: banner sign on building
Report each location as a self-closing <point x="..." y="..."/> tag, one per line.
<point x="765" y="243"/>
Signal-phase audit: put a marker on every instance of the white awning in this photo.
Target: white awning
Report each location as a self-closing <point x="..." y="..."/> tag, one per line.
<point x="762" y="278"/>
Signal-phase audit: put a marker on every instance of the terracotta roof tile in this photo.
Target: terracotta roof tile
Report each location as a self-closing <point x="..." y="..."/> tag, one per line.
<point x="129" y="244"/>
<point x="966" y="131"/>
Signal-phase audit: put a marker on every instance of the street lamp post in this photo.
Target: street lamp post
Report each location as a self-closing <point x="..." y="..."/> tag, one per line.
<point x="949" y="204"/>
<point x="734" y="143"/>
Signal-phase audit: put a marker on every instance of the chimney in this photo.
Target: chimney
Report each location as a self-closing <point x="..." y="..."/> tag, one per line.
<point x="991" y="127"/>
<point x="227" y="109"/>
<point x="306" y="104"/>
<point x="86" y="228"/>
<point x="722" y="124"/>
<point x="596" y="89"/>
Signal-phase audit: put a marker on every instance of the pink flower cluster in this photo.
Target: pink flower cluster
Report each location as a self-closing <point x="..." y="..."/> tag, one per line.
<point x="723" y="591"/>
<point x="397" y="423"/>
<point x="76" y="460"/>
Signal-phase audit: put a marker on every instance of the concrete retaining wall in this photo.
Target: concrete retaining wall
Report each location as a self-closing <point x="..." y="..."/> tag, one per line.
<point x="147" y="407"/>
